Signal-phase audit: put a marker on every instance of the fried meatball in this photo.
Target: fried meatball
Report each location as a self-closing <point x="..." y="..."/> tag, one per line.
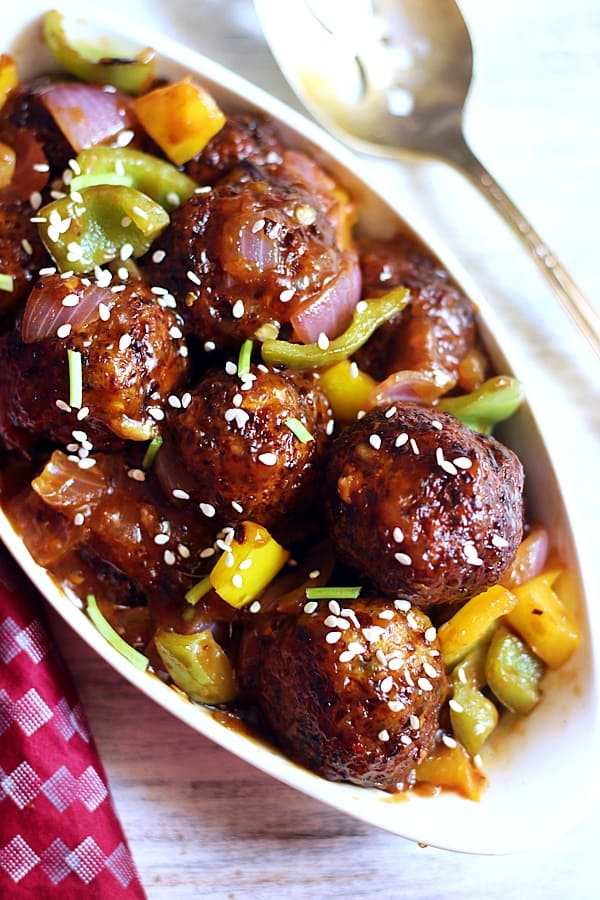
<point x="232" y="440"/>
<point x="21" y="253"/>
<point x="354" y="693"/>
<point x="243" y="137"/>
<point x="435" y="332"/>
<point x="25" y="109"/>
<point x="427" y="509"/>
<point x="249" y="253"/>
<point x="130" y="362"/>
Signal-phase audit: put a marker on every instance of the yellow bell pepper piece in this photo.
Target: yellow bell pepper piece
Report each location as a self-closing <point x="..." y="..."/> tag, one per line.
<point x="254" y="560"/>
<point x="8" y="77"/>
<point x="181" y="118"/>
<point x="543" y="621"/>
<point x="450" y="767"/>
<point x="197" y="665"/>
<point x="346" y="388"/>
<point x="473" y="622"/>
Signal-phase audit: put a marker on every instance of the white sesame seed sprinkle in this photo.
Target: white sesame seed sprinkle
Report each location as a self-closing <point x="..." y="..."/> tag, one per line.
<point x="258" y="226"/>
<point x="415" y="723"/>
<point x="462" y="675"/>
<point x="237" y="506"/>
<point x="174" y="401"/>
<point x="386" y="614"/>
<point x="332" y="637"/>
<point x="375" y="441"/>
<point x="310" y="607"/>
<point x="430" y="634"/>
<point x="207" y="553"/>
<point x="230" y="368"/>
<point x="424" y="684"/>
<point x="346" y="655"/>
<point x="169" y="557"/>
<point x="329" y="428"/>
<point x="64" y="331"/>
<point x="384" y="735"/>
<point x="78" y="519"/>
<point x="237" y="580"/>
<point x="136" y="474"/>
<point x="401" y="440"/>
<point x="179" y="494"/>
<point x="64" y="407"/>
<point x="87" y="463"/>
<point x="26" y="245"/>
<point x="477" y="761"/>
<point x="267" y="459"/>
<point x="254" y="606"/>
<point x="402" y="605"/>
<point x="330" y="621"/>
<point x="334" y="607"/>
<point x="414" y="446"/>
<point x="158" y="256"/>
<point x="398" y="535"/>
<point x="430" y="670"/>
<point x="83" y="413"/>
<point x="209" y="346"/>
<point x="435" y="423"/>
<point x="462" y="462"/>
<point x="124" y="138"/>
<point x="455" y="705"/>
<point x="238" y="309"/>
<point x="156" y="412"/>
<point x="403" y="558"/>
<point x="361" y="306"/>
<point x="499" y="542"/>
<point x="124" y="342"/>
<point x="175" y="332"/>
<point x="448" y="741"/>
<point x="356" y="648"/>
<point x="395" y="705"/>
<point x="49" y="270"/>
<point x="35" y="200"/>
<point x="161" y="538"/>
<point x="387" y="684"/>
<point x="390" y="412"/>
<point x="207" y="509"/>
<point x="322" y="341"/>
<point x="286" y="295"/>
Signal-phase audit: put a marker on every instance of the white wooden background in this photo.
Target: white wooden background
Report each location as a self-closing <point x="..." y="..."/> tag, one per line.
<point x="200" y="822"/>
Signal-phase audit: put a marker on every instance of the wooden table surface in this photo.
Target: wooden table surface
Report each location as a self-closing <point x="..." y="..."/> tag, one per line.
<point x="202" y="823"/>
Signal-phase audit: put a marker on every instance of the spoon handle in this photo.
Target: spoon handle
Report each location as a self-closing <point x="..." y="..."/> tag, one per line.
<point x="583" y="313"/>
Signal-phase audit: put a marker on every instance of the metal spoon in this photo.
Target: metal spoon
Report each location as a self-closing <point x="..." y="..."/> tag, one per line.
<point x="391" y="77"/>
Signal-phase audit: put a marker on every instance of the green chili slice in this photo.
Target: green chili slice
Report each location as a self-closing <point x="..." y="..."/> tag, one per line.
<point x="300" y="430"/>
<point x="152" y="451"/>
<point x="106" y="222"/>
<point x="198" y="591"/>
<point x="367" y="318"/>
<point x="496" y="400"/>
<point x="75" y="379"/>
<point x="244" y="358"/>
<point x="100" y="64"/>
<point x="154" y="177"/>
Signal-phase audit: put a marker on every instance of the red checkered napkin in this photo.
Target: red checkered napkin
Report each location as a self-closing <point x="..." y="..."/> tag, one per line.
<point x="59" y="834"/>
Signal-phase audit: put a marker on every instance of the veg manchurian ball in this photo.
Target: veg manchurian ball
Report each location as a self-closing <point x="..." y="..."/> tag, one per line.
<point x="233" y="441"/>
<point x="129" y="363"/>
<point x="424" y="507"/>
<point x="21" y="253"/>
<point x="244" y="136"/>
<point x="354" y="693"/>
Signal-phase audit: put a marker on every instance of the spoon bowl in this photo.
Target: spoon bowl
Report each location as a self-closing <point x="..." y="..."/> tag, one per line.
<point x="391" y="78"/>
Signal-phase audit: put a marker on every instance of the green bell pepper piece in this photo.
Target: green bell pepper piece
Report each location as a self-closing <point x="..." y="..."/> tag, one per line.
<point x="197" y="665"/>
<point x="473" y="717"/>
<point x="365" y="321"/>
<point x="94" y="64"/>
<point x="152" y="176"/>
<point x="497" y="399"/>
<point x="82" y="234"/>
<point x="513" y="672"/>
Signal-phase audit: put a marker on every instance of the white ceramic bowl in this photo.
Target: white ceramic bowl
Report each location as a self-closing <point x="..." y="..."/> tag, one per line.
<point x="544" y="772"/>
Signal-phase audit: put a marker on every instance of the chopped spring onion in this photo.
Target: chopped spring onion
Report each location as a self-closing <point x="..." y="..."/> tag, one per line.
<point x="7" y="283"/>
<point x="80" y="182"/>
<point x="114" y="638"/>
<point x="152" y="451"/>
<point x="198" y="591"/>
<point x="333" y="593"/>
<point x="244" y="358"/>
<point x="301" y="432"/>
<point x="75" y="379"/>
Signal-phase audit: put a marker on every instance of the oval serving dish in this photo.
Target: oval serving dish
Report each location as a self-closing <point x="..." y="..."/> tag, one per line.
<point x="543" y="772"/>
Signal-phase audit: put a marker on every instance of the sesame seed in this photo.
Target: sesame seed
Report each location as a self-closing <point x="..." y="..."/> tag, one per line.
<point x="238" y="309"/>
<point x="435" y="423"/>
<point x="209" y="346"/>
<point x="173" y="198"/>
<point x="414" y="446"/>
<point x="402" y="605"/>
<point x="354" y="371"/>
<point x="26" y="245"/>
<point x="207" y="553"/>
<point x="64" y="331"/>
<point x="477" y="761"/>
<point x="390" y="412"/>
<point x="403" y="558"/>
<point x="408" y="677"/>
<point x="384" y="735"/>
<point x="286" y="296"/>
<point x="401" y="440"/>
<point x="331" y="622"/>
<point x="430" y="634"/>
<point x="462" y="462"/>
<point x="49" y="270"/>
<point x="267" y="459"/>
<point x="180" y="495"/>
<point x="230" y="368"/>
<point x="41" y="167"/>
<point x="424" y="684"/>
<point x="346" y="655"/>
<point x="322" y="341"/>
<point x="124" y="342"/>
<point x="258" y="226"/>
<point x="310" y="607"/>
<point x="314" y="574"/>
<point x="448" y="467"/>
<point x="124" y="137"/>
<point x="398" y="535"/>
<point x="161" y="538"/>
<point x="79" y="435"/>
<point x="395" y="705"/>
<point x="237" y="580"/>
<point x="386" y="614"/>
<point x="175" y="332"/>
<point x="329" y="427"/>
<point x="334" y="607"/>
<point x="83" y="413"/>
<point x="372" y="633"/>
<point x="356" y="648"/>
<point x="254" y="607"/>
<point x="448" y="741"/>
<point x="305" y="214"/>
<point x="387" y="684"/>
<point x="411" y="621"/>
<point x="183" y="551"/>
<point x="375" y="441"/>
<point x="415" y="723"/>
<point x="156" y="412"/>
<point x="207" y="509"/>
<point x="381" y="657"/>
<point x="499" y="542"/>
<point x="245" y="564"/>
<point x="361" y="306"/>
<point x="87" y="463"/>
<point x="35" y="200"/>
<point x="174" y="401"/>
<point x="64" y="407"/>
<point x="237" y="400"/>
<point x="237" y="506"/>
<point x="169" y="557"/>
<point x="158" y="256"/>
<point x="455" y="705"/>
<point x="136" y="474"/>
<point x="78" y="519"/>
<point x="332" y="637"/>
<point x="193" y="278"/>
<point x="186" y="399"/>
<point x="430" y="670"/>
